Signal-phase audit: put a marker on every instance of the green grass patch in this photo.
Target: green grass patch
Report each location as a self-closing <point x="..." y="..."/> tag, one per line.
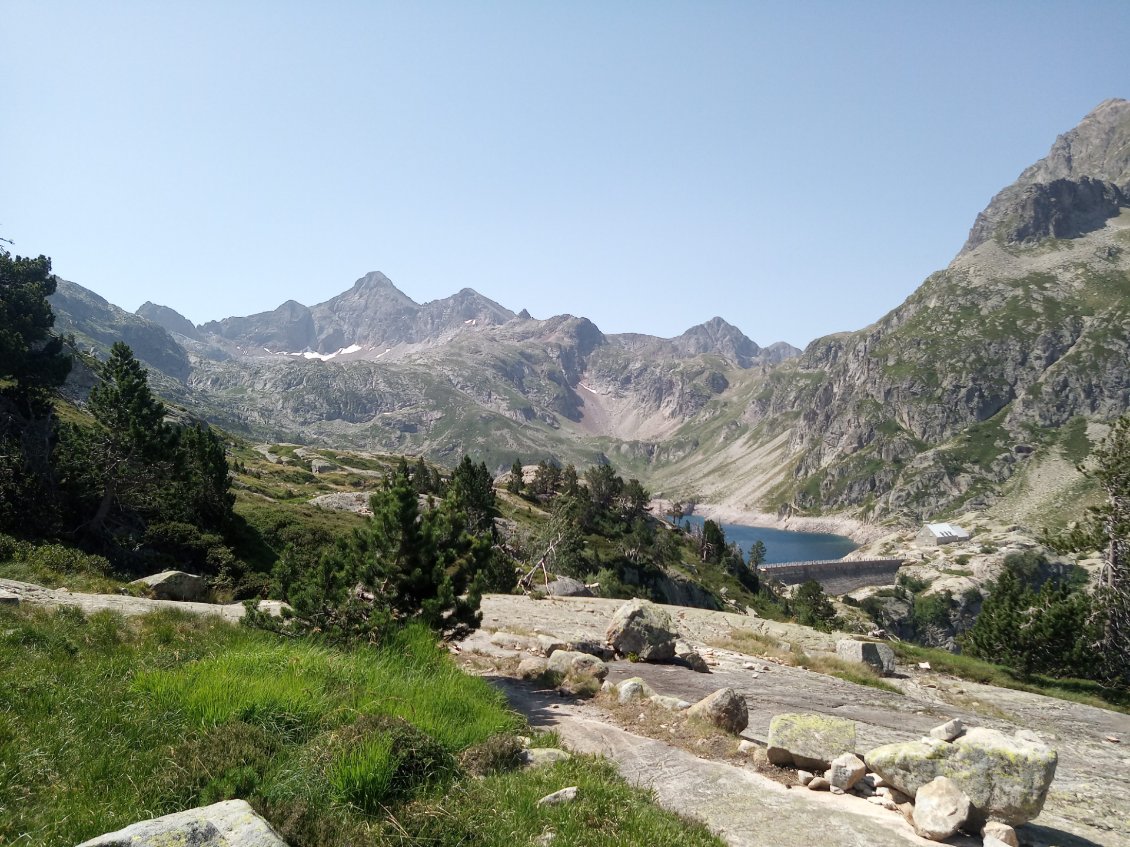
<point x="56" y="566"/>
<point x="105" y="721"/>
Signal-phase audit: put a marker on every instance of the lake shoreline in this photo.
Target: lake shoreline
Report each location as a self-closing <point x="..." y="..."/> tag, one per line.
<point x="858" y="531"/>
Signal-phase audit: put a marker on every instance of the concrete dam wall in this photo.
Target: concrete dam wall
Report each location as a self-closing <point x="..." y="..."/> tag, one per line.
<point x="836" y="576"/>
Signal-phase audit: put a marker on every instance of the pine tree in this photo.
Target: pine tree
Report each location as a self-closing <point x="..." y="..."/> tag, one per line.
<point x="516" y="483"/>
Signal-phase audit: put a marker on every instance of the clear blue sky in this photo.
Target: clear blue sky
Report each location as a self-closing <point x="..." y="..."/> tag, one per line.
<point x="796" y="167"/>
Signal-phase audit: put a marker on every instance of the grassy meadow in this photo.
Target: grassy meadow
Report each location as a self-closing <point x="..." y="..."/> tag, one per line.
<point x="105" y="721"/>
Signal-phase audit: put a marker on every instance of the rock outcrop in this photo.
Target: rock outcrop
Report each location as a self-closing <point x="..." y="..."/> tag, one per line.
<point x="175" y="585"/>
<point x="725" y="709"/>
<point x="879" y="656"/>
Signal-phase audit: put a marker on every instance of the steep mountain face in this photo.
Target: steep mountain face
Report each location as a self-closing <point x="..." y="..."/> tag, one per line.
<point x="943" y="399"/>
<point x="97" y="323"/>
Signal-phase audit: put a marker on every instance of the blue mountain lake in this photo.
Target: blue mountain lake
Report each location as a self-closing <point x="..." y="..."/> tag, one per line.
<point x="782" y="545"/>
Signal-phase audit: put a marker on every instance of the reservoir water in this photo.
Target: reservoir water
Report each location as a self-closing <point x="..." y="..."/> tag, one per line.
<point x="782" y="545"/>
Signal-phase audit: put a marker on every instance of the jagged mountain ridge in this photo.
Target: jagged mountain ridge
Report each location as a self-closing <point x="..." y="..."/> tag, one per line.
<point x="1017" y="347"/>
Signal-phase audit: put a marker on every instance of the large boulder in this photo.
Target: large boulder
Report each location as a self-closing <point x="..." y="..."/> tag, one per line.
<point x="809" y="741"/>
<point x="725" y="708"/>
<point x="940" y="809"/>
<point x="879" y="656"/>
<point x="174" y="585"/>
<point x="643" y="630"/>
<point x="845" y="771"/>
<point x="1005" y="778"/>
<point x="633" y="689"/>
<point x="231" y="823"/>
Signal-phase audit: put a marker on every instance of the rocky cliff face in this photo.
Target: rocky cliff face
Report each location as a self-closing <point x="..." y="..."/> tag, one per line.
<point x="940" y="400"/>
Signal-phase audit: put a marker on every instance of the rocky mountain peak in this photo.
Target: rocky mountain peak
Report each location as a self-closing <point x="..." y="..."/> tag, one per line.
<point x="170" y="319"/>
<point x="1082" y="182"/>
<point x="719" y="337"/>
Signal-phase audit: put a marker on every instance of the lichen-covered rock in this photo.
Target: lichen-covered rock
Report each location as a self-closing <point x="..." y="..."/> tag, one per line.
<point x="725" y="708"/>
<point x="1005" y="778"/>
<point x="879" y="656"/>
<point x="232" y="823"/>
<point x="642" y="629"/>
<point x="846" y="770"/>
<point x="940" y="809"/>
<point x="809" y="741"/>
<point x="569" y="663"/>
<point x="174" y="585"/>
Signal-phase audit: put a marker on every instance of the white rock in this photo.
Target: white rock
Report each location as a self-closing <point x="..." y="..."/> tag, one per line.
<point x="846" y="770"/>
<point x="174" y="585"/>
<point x="1002" y="832"/>
<point x="805" y="777"/>
<point x="940" y="809"/>
<point x="565" y="795"/>
<point x="949" y="731"/>
<point x="232" y="823"/>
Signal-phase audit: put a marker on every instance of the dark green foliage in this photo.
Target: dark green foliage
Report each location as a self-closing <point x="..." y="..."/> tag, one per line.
<point x="516" y="482"/>
<point x="404" y="564"/>
<point x="812" y="607"/>
<point x="1044" y="631"/>
<point x="1107" y="530"/>
<point x="32" y="362"/>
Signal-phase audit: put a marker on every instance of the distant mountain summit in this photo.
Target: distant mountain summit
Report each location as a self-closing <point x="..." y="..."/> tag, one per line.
<point x="1082" y="182"/>
<point x="170" y="319"/>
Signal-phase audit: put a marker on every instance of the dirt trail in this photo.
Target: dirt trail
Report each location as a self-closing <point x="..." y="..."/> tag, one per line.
<point x="1089" y="802"/>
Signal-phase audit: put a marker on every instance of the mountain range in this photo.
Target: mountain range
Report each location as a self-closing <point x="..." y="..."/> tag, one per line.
<point x="1008" y="361"/>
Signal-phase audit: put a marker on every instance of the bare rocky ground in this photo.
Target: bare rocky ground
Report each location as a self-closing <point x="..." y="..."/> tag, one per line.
<point x="1088" y="806"/>
<point x="1089" y="802"/>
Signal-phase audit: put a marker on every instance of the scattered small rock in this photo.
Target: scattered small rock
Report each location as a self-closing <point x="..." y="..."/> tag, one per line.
<point x="565" y="795"/>
<point x="672" y="704"/>
<point x="818" y="783"/>
<point x="949" y="731"/>
<point x="846" y="770"/>
<point x="835" y="789"/>
<point x="633" y="689"/>
<point x="532" y="667"/>
<point x="1002" y="832"/>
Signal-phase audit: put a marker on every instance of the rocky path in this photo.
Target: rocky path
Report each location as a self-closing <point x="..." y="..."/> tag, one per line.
<point x="1089" y="803"/>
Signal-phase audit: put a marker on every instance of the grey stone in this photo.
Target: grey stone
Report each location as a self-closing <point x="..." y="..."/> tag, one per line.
<point x="644" y="630"/>
<point x="940" y="809"/>
<point x="879" y="656"/>
<point x="805" y="777"/>
<point x="565" y="795"/>
<point x="7" y="598"/>
<point x="539" y="757"/>
<point x="1005" y="778"/>
<point x="949" y="731"/>
<point x="846" y="770"/>
<point x="633" y="689"/>
<point x="569" y="663"/>
<point x="175" y="585"/>
<point x="809" y="741"/>
<point x="593" y="648"/>
<point x="532" y="667"/>
<point x="725" y="708"/>
<point x="566" y="586"/>
<point x="321" y="466"/>
<point x="549" y="644"/>
<point x="232" y="823"/>
<point x="818" y="783"/>
<point x="691" y="658"/>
